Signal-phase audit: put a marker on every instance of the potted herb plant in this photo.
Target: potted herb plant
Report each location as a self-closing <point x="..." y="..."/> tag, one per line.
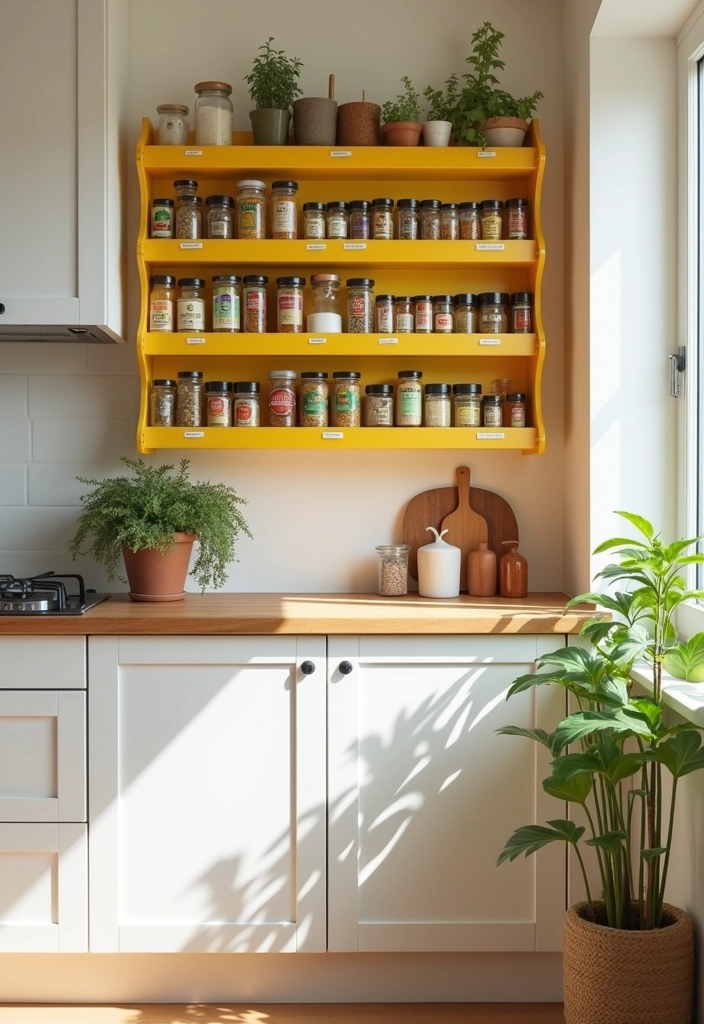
<point x="401" y="119"/>
<point x="625" y="948"/>
<point x="441" y="110"/>
<point x="273" y="85"/>
<point x="152" y="519"/>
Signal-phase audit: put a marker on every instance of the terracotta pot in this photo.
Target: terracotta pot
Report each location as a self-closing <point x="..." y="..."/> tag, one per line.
<point x="358" y="124"/>
<point x="154" y="576"/>
<point x="269" y="126"/>
<point x="401" y="133"/>
<point x="613" y="976"/>
<point x="437" y="133"/>
<point x="504" y="131"/>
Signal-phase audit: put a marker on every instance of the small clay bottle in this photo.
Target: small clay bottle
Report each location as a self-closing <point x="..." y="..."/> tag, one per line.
<point x="481" y="571"/>
<point x="513" y="572"/>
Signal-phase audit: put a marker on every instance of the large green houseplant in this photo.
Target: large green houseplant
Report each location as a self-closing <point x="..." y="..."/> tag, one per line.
<point x="612" y="757"/>
<point x="273" y="86"/>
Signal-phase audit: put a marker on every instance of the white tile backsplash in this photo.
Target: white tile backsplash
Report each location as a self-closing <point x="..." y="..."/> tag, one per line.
<point x="30" y="529"/>
<point x="55" y="484"/>
<point x="13" y="484"/>
<point x="82" y="440"/>
<point x="13" y="395"/>
<point x="89" y="396"/>
<point x="14" y="441"/>
<point x="44" y="357"/>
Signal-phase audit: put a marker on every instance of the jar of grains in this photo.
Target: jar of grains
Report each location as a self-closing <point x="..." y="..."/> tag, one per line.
<point x="251" y="209"/>
<point x="173" y="124"/>
<point x="360" y="305"/>
<point x="220" y="216"/>
<point x="379" y="405"/>
<point x="190" y="399"/>
<point x="314" y="220"/>
<point x="190" y="306"/>
<point x="162" y="218"/>
<point x="185" y="187"/>
<point x="409" y="398"/>
<point x="218" y="403"/>
<point x="443" y="314"/>
<point x="383" y="218"/>
<point x="338" y="220"/>
<point x="189" y="217"/>
<point x="516" y="409"/>
<point x="438" y="405"/>
<point x="492" y="220"/>
<point x="326" y="288"/>
<point x="493" y="312"/>
<point x="430" y="217"/>
<point x="213" y="114"/>
<point x="161" y="302"/>
<point x="393" y="569"/>
<point x="470" y="222"/>
<point x="522" y="312"/>
<point x="245" y="405"/>
<point x="162" y="403"/>
<point x="289" y="304"/>
<point x="424" y="313"/>
<point x="284" y="218"/>
<point x="450" y="222"/>
<point x="468" y="405"/>
<point x="254" y="301"/>
<point x="226" y="302"/>
<point x="465" y="313"/>
<point x="407" y="219"/>
<point x="493" y="411"/>
<point x="313" y="399"/>
<point x="360" y="219"/>
<point x="517" y="218"/>
<point x="404" y="320"/>
<point x="384" y="314"/>
<point x="282" y="398"/>
<point x="345" y="399"/>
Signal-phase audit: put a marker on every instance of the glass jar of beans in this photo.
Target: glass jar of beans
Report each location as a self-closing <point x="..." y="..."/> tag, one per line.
<point x="393" y="569"/>
<point x="360" y="305"/>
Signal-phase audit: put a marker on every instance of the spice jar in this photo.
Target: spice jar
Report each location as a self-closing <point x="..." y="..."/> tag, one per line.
<point x="313" y="397"/>
<point x="345" y="399"/>
<point x="218" y="403"/>
<point x="326" y="289"/>
<point x="522" y="312"/>
<point x="470" y="222"/>
<point x="424" y="313"/>
<point x="492" y="220"/>
<point x="465" y="313"/>
<point x="245" y="404"/>
<point x="190" y="306"/>
<point x="189" y="399"/>
<point x="162" y="218"/>
<point x="409" y="398"/>
<point x="284" y="219"/>
<point x="213" y="113"/>
<point x="384" y="314"/>
<point x="314" y="220"/>
<point x="226" y="302"/>
<point x="393" y="569"/>
<point x="517" y="218"/>
<point x="468" y="405"/>
<point x="338" y="220"/>
<point x="501" y="386"/>
<point x="185" y="187"/>
<point x="282" y="398"/>
<point x="162" y="403"/>
<point x="443" y="314"/>
<point x="492" y="410"/>
<point x="404" y="320"/>
<point x="254" y="300"/>
<point x="360" y="305"/>
<point x="430" y="218"/>
<point x="438" y="405"/>
<point x="493" y="312"/>
<point x="173" y="124"/>
<point x="379" y="405"/>
<point x="407" y="219"/>
<point x="383" y="218"/>
<point x="289" y="304"/>
<point x="516" y="409"/>
<point x="450" y="222"/>
<point x="189" y="217"/>
<point x="251" y="209"/>
<point x="161" y="302"/>
<point x="360" y="219"/>
<point x="220" y="216"/>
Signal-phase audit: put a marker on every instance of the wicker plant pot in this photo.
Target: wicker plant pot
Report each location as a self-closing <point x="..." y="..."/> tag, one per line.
<point x="613" y="976"/>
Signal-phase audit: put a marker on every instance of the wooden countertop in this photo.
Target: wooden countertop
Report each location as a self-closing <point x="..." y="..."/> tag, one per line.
<point x="308" y="614"/>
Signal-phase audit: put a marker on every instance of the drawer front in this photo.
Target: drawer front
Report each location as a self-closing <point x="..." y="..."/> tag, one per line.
<point x="43" y="663"/>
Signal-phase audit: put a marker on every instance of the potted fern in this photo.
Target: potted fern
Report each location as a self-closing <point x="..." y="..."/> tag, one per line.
<point x="151" y="519"/>
<point x="401" y="119"/>
<point x="441" y="111"/>
<point x="273" y="85"/>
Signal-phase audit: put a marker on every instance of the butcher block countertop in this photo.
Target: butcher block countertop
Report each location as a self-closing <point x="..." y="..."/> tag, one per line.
<point x="222" y="614"/>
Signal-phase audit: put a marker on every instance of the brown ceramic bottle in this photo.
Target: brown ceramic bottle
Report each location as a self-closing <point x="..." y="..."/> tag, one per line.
<point x="481" y="571"/>
<point x="513" y="572"/>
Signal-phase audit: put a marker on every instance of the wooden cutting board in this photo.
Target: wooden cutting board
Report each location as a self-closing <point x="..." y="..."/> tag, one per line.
<point x="466" y="529"/>
<point x="429" y="508"/>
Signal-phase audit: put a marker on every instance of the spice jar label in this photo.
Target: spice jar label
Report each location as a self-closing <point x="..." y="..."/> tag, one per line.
<point x="490" y="247"/>
<point x="490" y="341"/>
<point x="283" y="217"/>
<point x="190" y="314"/>
<point x="490" y="436"/>
<point x="468" y="415"/>
<point x="314" y="403"/>
<point x="341" y="152"/>
<point x="218" y="412"/>
<point x="354" y="245"/>
<point x="346" y="400"/>
<point x="315" y="247"/>
<point x="161" y="315"/>
<point x="317" y="341"/>
<point x="195" y="341"/>
<point x="282" y="401"/>
<point x="388" y="341"/>
<point x="193" y="152"/>
<point x="291" y="310"/>
<point x="333" y="435"/>
<point x="485" y="154"/>
<point x="194" y="433"/>
<point x="191" y="245"/>
<point x="244" y="413"/>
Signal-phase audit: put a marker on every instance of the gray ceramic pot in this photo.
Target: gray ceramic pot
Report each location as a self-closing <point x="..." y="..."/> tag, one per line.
<point x="270" y="126"/>
<point x="315" y="121"/>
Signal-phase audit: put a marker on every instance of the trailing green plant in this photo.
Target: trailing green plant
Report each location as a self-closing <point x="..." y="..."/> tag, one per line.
<point x="609" y="757"/>
<point x="273" y="80"/>
<point x="442" y="103"/>
<point x="143" y="511"/>
<point x="406" y="107"/>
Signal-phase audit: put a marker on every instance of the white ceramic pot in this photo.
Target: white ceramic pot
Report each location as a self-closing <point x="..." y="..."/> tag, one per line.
<point x="437" y="133"/>
<point x="439" y="568"/>
<point x="504" y="131"/>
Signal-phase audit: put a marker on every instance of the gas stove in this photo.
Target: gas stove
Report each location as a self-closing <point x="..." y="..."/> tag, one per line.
<point x="47" y="594"/>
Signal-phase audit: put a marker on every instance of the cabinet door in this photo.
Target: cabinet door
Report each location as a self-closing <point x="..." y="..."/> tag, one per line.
<point x="423" y="795"/>
<point x="207" y="794"/>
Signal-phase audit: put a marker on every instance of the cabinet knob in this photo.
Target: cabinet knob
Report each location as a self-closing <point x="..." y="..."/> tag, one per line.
<point x="2" y="307"/>
<point x="346" y="667"/>
<point x="307" y="668"/>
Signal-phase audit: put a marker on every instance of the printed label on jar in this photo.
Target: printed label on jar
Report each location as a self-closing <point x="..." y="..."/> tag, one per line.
<point x="337" y="225"/>
<point x="493" y="416"/>
<point x="409" y="402"/>
<point x="468" y="416"/>
<point x="190" y="314"/>
<point x="384" y="319"/>
<point x="517" y="224"/>
<point x="251" y="217"/>
<point x="283" y="217"/>
<point x="383" y="225"/>
<point x="424" y="316"/>
<point x="491" y="227"/>
<point x="161" y="315"/>
<point x="518" y="415"/>
<point x="245" y="412"/>
<point x="314" y="403"/>
<point x="226" y="311"/>
<point x="221" y="228"/>
<point x="404" y="323"/>
<point x="282" y="401"/>
<point x="521" y="321"/>
<point x="443" y="322"/>
<point x="291" y="310"/>
<point x="218" y="410"/>
<point x="358" y="305"/>
<point x="346" y="400"/>
<point x="161" y="223"/>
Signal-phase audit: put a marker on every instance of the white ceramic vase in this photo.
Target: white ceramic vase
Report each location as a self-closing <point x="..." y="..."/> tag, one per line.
<point x="437" y="133"/>
<point x="439" y="568"/>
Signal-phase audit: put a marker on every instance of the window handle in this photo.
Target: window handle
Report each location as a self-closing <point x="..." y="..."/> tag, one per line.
<point x="678" y="364"/>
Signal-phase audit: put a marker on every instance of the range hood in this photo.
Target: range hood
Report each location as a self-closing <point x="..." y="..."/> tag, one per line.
<point x="42" y="332"/>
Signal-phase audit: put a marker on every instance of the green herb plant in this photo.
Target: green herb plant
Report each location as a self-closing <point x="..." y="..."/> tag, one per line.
<point x="273" y="80"/>
<point x="144" y="510"/>
<point x="442" y="104"/>
<point x="406" y="107"/>
<point x="610" y="756"/>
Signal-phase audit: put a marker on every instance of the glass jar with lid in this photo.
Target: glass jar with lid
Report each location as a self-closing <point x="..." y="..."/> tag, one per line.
<point x="492" y="407"/>
<point x="407" y="218"/>
<point x="251" y="209"/>
<point x="409" y="398"/>
<point x="190" y="399"/>
<point x="185" y="187"/>
<point x="338" y="220"/>
<point x="493" y="312"/>
<point x="173" y="124"/>
<point x="313" y="397"/>
<point x="282" y="398"/>
<point x="517" y="217"/>
<point x="516" y="409"/>
<point x="424" y="314"/>
<point x="162" y="302"/>
<point x="501" y="386"/>
<point x="218" y="403"/>
<point x="213" y="114"/>
<point x="289" y="304"/>
<point x="450" y="222"/>
<point x="443" y="314"/>
<point x="254" y="302"/>
<point x="245" y="403"/>
<point x="470" y="222"/>
<point x="384" y="314"/>
<point x="189" y="218"/>
<point x="360" y="219"/>
<point x="360" y="305"/>
<point x="492" y="219"/>
<point x="220" y="216"/>
<point x="314" y="220"/>
<point x="226" y="303"/>
<point x="404" y="319"/>
<point x="379" y="405"/>
<point x="162" y="218"/>
<point x="162" y="403"/>
<point x="284" y="217"/>
<point x="438" y="405"/>
<point x="465" y="313"/>
<point x="345" y="400"/>
<point x="326" y="293"/>
<point x="430" y="219"/>
<point x="468" y="405"/>
<point x="522" y="312"/>
<point x="190" y="305"/>
<point x="383" y="218"/>
<point x="393" y="569"/>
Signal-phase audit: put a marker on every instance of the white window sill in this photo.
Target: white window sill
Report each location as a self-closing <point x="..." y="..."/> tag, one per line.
<point x="687" y="699"/>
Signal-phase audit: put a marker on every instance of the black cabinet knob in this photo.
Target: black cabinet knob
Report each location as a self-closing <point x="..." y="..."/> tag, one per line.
<point x="307" y="668"/>
<point x="345" y="667"/>
<point x="2" y="307"/>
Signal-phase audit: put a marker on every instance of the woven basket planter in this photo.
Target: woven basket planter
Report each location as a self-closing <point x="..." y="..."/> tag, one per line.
<point x="614" y="976"/>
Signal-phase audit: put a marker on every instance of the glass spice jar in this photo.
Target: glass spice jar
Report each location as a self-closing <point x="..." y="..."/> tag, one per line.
<point x="470" y="222"/>
<point x="409" y="398"/>
<point x="220" y="216"/>
<point x="345" y="399"/>
<point x="407" y="219"/>
<point x="450" y="222"/>
<point x="492" y="220"/>
<point x="338" y="220"/>
<point x="213" y="114"/>
<point x="189" y="217"/>
<point x="173" y="124"/>
<point x="162" y="218"/>
<point x="384" y="310"/>
<point x="465" y="313"/>
<point x="254" y="301"/>
<point x="326" y="288"/>
<point x="284" y="218"/>
<point x="282" y="398"/>
<point x="185" y="187"/>
<point x="430" y="218"/>
<point x="438" y="405"/>
<point x="313" y="397"/>
<point x="492" y="406"/>
<point x="251" y="209"/>
<point x="501" y="386"/>
<point x="360" y="219"/>
<point x="404" y="320"/>
<point x="517" y="217"/>
<point x="424" y="314"/>
<point x="226" y="303"/>
<point x="393" y="569"/>
<point x="383" y="218"/>
<point x="493" y="312"/>
<point x="289" y="304"/>
<point x="190" y="305"/>
<point x="360" y="305"/>
<point x="162" y="403"/>
<point x="379" y="405"/>
<point x="190" y="399"/>
<point x="245" y="403"/>
<point x="218" y="403"/>
<point x="162" y="297"/>
<point x="468" y="405"/>
<point x="314" y="220"/>
<point x="443" y="314"/>
<point x="522" y="313"/>
<point x="516" y="409"/>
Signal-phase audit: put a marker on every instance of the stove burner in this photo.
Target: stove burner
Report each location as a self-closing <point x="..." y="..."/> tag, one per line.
<point x="45" y="594"/>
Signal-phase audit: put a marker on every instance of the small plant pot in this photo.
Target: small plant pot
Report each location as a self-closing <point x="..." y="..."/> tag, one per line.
<point x="504" y="131"/>
<point x="315" y="121"/>
<point x="154" y="576"/>
<point x="401" y="133"/>
<point x="437" y="133"/>
<point x="269" y="126"/>
<point x="358" y="124"/>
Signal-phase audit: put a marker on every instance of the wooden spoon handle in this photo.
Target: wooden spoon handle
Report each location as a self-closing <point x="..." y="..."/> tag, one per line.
<point x="331" y="87"/>
<point x="462" y="486"/>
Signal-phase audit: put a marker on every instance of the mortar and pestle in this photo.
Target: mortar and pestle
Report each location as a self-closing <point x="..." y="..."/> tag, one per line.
<point x="315" y="119"/>
<point x="358" y="123"/>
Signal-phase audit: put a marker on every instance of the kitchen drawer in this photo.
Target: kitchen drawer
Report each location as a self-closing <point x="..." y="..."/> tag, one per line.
<point x="42" y="663"/>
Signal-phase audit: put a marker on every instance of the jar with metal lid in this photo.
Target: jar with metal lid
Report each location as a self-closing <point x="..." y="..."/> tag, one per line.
<point x="289" y="304"/>
<point x="162" y="218"/>
<point x="282" y="398"/>
<point x="254" y="301"/>
<point x="468" y="405"/>
<point x="522" y="312"/>
<point x="517" y="217"/>
<point x="189" y="217"/>
<point x="346" y="399"/>
<point x="360" y="219"/>
<point x="404" y="319"/>
<point x="493" y="312"/>
<point x="384" y="314"/>
<point x="173" y="124"/>
<point x="313" y="397"/>
<point x="516" y="409"/>
<point x="492" y="406"/>
<point x="190" y="399"/>
<point x="438" y="405"/>
<point x="379" y="405"/>
<point x="492" y="219"/>
<point x="409" y="398"/>
<point x="338" y="220"/>
<point x="470" y="222"/>
<point x="185" y="187"/>
<point x="213" y="112"/>
<point x="326" y="293"/>
<point x="465" y="313"/>
<point x="162" y="403"/>
<point x="443" y="314"/>
<point x="393" y="569"/>
<point x="226" y="302"/>
<point x="430" y="219"/>
<point x="424" y="314"/>
<point x="251" y="209"/>
<point x="314" y="220"/>
<point x="190" y="305"/>
<point x="450" y="222"/>
<point x="161" y="302"/>
<point x="383" y="218"/>
<point x="245" y="403"/>
<point x="220" y="216"/>
<point x="407" y="218"/>
<point x="360" y="305"/>
<point x="284" y="217"/>
<point x="218" y="403"/>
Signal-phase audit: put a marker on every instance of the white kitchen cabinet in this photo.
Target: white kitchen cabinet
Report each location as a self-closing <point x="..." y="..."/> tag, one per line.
<point x="423" y="795"/>
<point x="42" y="663"/>
<point x="207" y="794"/>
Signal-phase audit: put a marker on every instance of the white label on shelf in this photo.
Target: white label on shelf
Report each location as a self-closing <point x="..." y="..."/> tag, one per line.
<point x="191" y="245"/>
<point x="316" y="246"/>
<point x="195" y="341"/>
<point x="493" y="436"/>
<point x="317" y="341"/>
<point x="490" y="341"/>
<point x="332" y="435"/>
<point x="194" y="433"/>
<point x="341" y="152"/>
<point x="388" y="341"/>
<point x="485" y="154"/>
<point x="490" y="246"/>
<point x="193" y="152"/>
<point x="354" y="245"/>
